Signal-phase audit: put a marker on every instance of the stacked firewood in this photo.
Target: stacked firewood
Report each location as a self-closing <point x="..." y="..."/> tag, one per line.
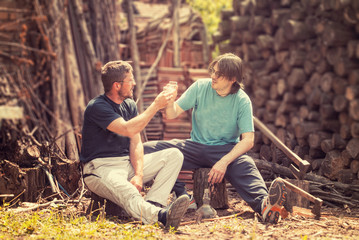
<point x="302" y="74"/>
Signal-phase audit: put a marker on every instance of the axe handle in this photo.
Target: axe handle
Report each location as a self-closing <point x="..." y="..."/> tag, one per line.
<point x="303" y="164"/>
<point x="301" y="192"/>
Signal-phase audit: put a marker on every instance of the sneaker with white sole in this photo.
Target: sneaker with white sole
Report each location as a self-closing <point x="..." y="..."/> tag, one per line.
<point x="273" y="203"/>
<point x="192" y="203"/>
<point x="176" y="211"/>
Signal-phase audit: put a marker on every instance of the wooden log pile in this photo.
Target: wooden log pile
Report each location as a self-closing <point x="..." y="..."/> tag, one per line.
<point x="50" y="69"/>
<point x="302" y="75"/>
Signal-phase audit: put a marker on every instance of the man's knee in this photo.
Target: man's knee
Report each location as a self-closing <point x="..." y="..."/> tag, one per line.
<point x="174" y="155"/>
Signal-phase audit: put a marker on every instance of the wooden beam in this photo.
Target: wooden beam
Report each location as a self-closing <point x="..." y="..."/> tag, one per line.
<point x="7" y="112"/>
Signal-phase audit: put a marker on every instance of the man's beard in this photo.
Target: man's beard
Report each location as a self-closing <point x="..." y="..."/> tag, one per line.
<point x="123" y="97"/>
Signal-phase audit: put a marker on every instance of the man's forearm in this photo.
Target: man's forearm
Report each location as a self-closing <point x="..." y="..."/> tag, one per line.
<point x="137" y="124"/>
<point x="171" y="111"/>
<point x="134" y="125"/>
<point x="136" y="155"/>
<point x="239" y="149"/>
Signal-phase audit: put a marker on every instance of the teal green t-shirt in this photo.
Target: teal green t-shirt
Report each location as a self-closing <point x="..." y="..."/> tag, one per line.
<point x="217" y="120"/>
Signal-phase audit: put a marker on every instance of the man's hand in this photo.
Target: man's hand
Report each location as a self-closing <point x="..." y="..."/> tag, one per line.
<point x="163" y="99"/>
<point x="173" y="91"/>
<point x="137" y="181"/>
<point x="217" y="172"/>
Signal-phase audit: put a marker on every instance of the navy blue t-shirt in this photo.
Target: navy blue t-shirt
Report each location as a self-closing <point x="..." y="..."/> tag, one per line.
<point x="97" y="141"/>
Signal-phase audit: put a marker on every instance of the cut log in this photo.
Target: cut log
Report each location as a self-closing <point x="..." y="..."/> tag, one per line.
<point x="335" y="34"/>
<point x="280" y="41"/>
<point x="239" y="23"/>
<point x="256" y="24"/>
<point x="332" y="164"/>
<point x="326" y="145"/>
<point x="281" y="56"/>
<point x="327" y="111"/>
<point x="315" y="139"/>
<point x="281" y="120"/>
<point x="317" y="163"/>
<point x="281" y="86"/>
<point x="279" y="16"/>
<point x="297" y="78"/>
<point x="265" y="152"/>
<point x="354" y="129"/>
<point x="218" y="193"/>
<point x="303" y="130"/>
<point x="346" y="176"/>
<point x="345" y="131"/>
<point x="345" y="66"/>
<point x="309" y="67"/>
<point x="331" y="125"/>
<point x="354" y="109"/>
<point x="297" y="58"/>
<point x="295" y="30"/>
<point x="339" y="86"/>
<point x="346" y="158"/>
<point x="278" y="156"/>
<point x="326" y="81"/>
<point x="352" y="148"/>
<point x="353" y="77"/>
<point x="352" y="48"/>
<point x="295" y="199"/>
<point x="338" y="142"/>
<point x="274" y="168"/>
<point x="322" y="66"/>
<point x="340" y="103"/>
<point x="352" y="92"/>
<point x="265" y="41"/>
<point x="354" y="166"/>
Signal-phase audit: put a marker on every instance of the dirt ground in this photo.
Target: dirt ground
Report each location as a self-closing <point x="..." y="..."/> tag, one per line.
<point x="240" y="222"/>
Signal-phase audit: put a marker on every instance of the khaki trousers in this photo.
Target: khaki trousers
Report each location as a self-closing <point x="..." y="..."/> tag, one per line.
<point x="109" y="178"/>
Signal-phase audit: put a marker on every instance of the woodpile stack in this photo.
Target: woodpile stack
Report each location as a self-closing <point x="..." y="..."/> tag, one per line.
<point x="302" y="76"/>
<point x="50" y="60"/>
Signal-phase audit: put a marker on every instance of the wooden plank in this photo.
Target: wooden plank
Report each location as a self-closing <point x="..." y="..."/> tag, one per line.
<point x="7" y="112"/>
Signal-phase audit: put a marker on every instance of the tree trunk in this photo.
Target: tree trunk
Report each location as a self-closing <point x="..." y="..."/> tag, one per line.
<point x="218" y="192"/>
<point x="176" y="33"/>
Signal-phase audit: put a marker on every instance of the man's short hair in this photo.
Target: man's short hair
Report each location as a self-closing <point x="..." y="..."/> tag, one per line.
<point x="114" y="71"/>
<point x="230" y="66"/>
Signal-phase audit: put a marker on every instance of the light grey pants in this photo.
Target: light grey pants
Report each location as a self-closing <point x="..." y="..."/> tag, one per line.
<point x="109" y="178"/>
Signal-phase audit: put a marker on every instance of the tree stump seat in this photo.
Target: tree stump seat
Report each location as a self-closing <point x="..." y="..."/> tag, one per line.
<point x="218" y="192"/>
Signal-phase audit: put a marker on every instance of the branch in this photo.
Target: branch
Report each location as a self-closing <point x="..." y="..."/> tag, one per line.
<point x="15" y="10"/>
<point x="52" y="54"/>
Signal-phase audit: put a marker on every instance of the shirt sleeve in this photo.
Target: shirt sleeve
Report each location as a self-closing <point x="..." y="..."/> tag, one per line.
<point x="189" y="97"/>
<point x="245" y="118"/>
<point x="102" y="114"/>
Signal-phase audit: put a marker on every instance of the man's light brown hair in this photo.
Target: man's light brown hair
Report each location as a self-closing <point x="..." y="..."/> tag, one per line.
<point x="114" y="71"/>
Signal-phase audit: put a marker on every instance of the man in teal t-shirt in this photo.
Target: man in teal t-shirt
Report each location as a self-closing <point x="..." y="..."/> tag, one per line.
<point x="222" y="133"/>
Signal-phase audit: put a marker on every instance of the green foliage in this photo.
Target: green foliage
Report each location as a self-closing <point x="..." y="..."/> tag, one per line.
<point x="210" y="12"/>
<point x="55" y="224"/>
